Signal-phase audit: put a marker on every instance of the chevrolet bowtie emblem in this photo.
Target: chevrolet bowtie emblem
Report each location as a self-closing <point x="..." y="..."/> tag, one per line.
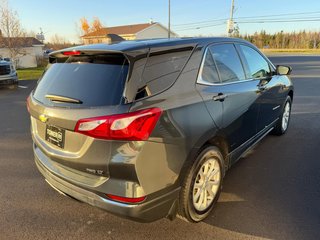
<point x="43" y="118"/>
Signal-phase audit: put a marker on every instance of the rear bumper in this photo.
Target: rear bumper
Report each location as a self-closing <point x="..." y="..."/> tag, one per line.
<point x="156" y="206"/>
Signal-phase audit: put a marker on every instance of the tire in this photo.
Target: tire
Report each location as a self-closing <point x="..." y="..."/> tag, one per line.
<point x="282" y="124"/>
<point x="196" y="199"/>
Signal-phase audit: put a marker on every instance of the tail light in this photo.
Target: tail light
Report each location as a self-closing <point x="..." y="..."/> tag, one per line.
<point x="136" y="126"/>
<point x="126" y="199"/>
<point x="71" y="53"/>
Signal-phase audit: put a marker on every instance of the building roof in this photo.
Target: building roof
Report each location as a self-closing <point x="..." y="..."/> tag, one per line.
<point x="20" y="41"/>
<point x="120" y="30"/>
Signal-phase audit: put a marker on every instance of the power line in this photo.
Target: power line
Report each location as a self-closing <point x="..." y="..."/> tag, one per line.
<point x="250" y="22"/>
<point x="202" y="25"/>
<point x="196" y="23"/>
<point x="195" y="28"/>
<point x="278" y="15"/>
<point x="277" y="21"/>
<point x="238" y="18"/>
<point x="272" y="19"/>
<point x="312" y="17"/>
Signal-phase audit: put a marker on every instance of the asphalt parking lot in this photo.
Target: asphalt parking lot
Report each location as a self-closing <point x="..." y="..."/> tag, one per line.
<point x="273" y="193"/>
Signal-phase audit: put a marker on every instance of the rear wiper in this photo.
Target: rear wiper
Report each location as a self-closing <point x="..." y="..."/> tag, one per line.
<point x="57" y="98"/>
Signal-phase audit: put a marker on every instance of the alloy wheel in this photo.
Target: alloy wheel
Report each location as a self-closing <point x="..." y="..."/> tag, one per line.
<point x="206" y="185"/>
<point x="286" y="116"/>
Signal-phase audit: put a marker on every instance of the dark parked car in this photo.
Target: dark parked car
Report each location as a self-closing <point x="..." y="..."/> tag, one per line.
<point x="47" y="52"/>
<point x="147" y="129"/>
<point x="8" y="73"/>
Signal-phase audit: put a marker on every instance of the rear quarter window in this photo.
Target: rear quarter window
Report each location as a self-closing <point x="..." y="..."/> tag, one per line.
<point x="162" y="69"/>
<point x="209" y="72"/>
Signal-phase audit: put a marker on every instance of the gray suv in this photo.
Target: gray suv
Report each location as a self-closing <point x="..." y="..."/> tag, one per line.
<point x="147" y="129"/>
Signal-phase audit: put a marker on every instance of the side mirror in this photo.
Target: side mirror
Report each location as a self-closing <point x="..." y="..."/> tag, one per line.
<point x="283" y="70"/>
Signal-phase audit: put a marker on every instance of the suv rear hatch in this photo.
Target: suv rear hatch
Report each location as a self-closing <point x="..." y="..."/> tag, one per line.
<point x="77" y="86"/>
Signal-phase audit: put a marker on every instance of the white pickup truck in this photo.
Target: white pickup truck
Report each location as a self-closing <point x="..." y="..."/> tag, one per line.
<point x="8" y="73"/>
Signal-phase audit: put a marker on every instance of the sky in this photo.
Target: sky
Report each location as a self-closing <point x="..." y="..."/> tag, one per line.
<point x="188" y="17"/>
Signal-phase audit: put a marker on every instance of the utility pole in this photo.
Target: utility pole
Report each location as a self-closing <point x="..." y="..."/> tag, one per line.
<point x="169" y="13"/>
<point x="230" y="23"/>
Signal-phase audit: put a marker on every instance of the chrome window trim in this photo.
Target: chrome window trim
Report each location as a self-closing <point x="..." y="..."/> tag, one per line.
<point x="201" y="81"/>
<point x="204" y="82"/>
<point x="199" y="78"/>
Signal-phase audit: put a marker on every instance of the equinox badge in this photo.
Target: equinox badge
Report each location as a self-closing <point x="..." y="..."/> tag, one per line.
<point x="43" y="118"/>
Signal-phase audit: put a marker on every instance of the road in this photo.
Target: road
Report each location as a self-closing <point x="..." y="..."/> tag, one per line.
<point x="273" y="193"/>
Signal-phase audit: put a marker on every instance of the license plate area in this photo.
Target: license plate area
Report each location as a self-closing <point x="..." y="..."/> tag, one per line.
<point x="55" y="135"/>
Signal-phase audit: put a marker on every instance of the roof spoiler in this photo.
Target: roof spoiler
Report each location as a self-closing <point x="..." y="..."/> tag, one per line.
<point x="114" y="38"/>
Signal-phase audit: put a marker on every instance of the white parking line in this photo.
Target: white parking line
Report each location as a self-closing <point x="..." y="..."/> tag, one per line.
<point x="21" y="86"/>
<point x="311" y="112"/>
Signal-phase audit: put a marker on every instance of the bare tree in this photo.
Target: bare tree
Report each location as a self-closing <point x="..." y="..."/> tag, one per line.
<point x="30" y="33"/>
<point x="58" y="42"/>
<point x="13" y="36"/>
<point x="78" y="31"/>
<point x="41" y="61"/>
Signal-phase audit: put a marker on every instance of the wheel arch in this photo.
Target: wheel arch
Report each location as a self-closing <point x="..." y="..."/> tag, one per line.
<point x="222" y="144"/>
<point x="216" y="140"/>
<point x="291" y="94"/>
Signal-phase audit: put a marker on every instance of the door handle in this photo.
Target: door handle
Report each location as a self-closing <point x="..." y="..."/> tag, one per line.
<point x="220" y="97"/>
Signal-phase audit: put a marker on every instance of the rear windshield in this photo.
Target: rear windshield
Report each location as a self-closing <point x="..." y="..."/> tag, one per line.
<point x="96" y="80"/>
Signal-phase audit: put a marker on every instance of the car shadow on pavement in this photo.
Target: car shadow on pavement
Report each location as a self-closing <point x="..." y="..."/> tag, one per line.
<point x="273" y="192"/>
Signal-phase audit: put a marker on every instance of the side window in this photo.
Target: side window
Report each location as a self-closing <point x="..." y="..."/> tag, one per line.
<point x="209" y="71"/>
<point x="258" y="66"/>
<point x="162" y="69"/>
<point x="228" y="63"/>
